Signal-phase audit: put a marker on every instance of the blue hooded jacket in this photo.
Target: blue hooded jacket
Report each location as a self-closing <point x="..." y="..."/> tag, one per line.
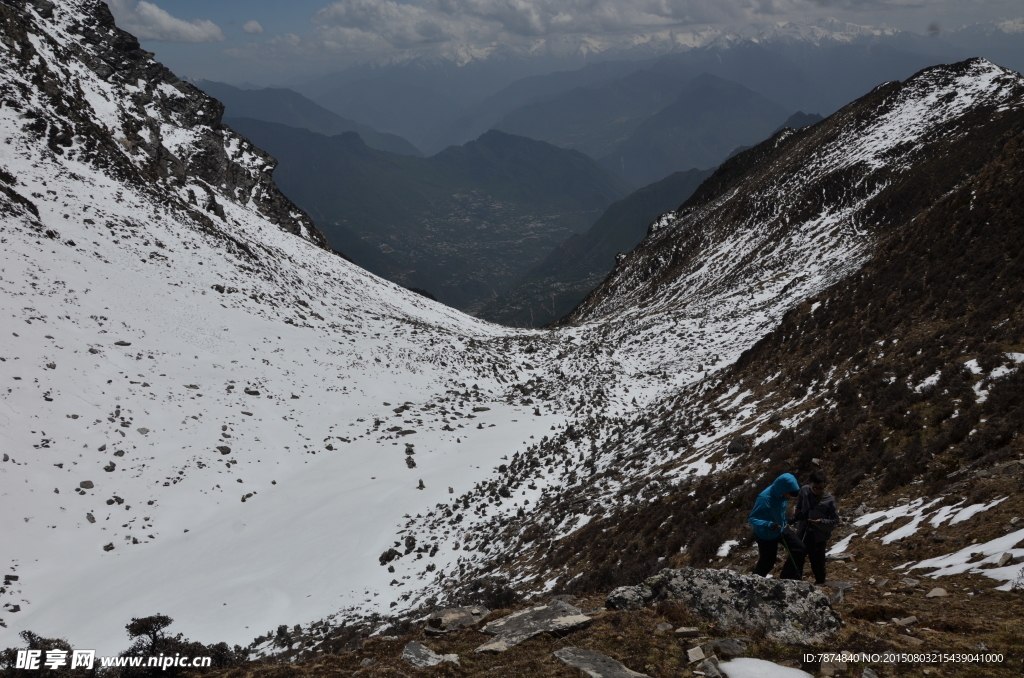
<point x="770" y="507"/>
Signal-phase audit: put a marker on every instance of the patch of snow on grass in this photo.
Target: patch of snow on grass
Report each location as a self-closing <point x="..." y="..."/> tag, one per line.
<point x="974" y="509"/>
<point x="723" y="550"/>
<point x="959" y="561"/>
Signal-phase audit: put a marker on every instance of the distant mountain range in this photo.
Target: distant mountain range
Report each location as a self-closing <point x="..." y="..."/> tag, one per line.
<point x="288" y="107"/>
<point x="457" y="94"/>
<point x="463" y="225"/>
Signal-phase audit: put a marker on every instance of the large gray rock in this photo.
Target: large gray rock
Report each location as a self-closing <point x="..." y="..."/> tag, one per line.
<point x="554" y="617"/>
<point x="422" y="657"/>
<point x="787" y="611"/>
<point x="446" y="621"/>
<point x="596" y="665"/>
<point x="628" y="597"/>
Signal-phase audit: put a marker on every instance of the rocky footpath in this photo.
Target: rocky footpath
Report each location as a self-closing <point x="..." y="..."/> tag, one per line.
<point x="686" y="622"/>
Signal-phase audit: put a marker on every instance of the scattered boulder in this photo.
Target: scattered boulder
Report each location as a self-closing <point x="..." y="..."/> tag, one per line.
<point x="936" y="593"/>
<point x="709" y="667"/>
<point x="687" y="632"/>
<point x="909" y="583"/>
<point x="422" y="657"/>
<point x="451" y="619"/>
<point x="695" y="654"/>
<point x="554" y="617"/>
<point x="86" y="485"/>
<point x="662" y="628"/>
<point x="224" y="449"/>
<point x="1005" y="559"/>
<point x="787" y="611"/>
<point x="906" y="621"/>
<point x="738" y="445"/>
<point x="594" y="664"/>
<point x="727" y="647"/>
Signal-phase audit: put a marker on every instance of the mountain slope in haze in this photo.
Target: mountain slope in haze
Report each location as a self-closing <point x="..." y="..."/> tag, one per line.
<point x="489" y="113"/>
<point x="593" y="118"/>
<point x="425" y="100"/>
<point x="556" y="285"/>
<point x="463" y="224"/>
<point x="710" y="117"/>
<point x="651" y="123"/>
<point x="436" y="102"/>
<point x="294" y="110"/>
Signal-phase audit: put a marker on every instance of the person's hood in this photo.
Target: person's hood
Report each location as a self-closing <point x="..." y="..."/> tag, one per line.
<point x="785" y="483"/>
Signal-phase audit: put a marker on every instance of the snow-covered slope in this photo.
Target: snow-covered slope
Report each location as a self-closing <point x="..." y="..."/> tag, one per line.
<point x="196" y="394"/>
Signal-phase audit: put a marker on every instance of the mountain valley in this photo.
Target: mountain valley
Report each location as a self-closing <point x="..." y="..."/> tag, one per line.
<point x="341" y="457"/>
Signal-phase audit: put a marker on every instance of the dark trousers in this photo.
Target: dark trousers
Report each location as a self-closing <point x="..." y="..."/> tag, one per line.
<point x="769" y="550"/>
<point x="816" y="554"/>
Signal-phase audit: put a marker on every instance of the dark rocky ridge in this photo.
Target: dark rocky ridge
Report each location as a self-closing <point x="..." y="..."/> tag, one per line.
<point x="134" y="150"/>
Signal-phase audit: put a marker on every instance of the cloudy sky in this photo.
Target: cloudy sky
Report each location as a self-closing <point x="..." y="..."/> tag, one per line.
<point x="274" y="42"/>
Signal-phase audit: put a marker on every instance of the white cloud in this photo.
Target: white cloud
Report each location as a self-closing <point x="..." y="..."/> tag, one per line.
<point x="253" y="27"/>
<point x="148" y="22"/>
<point x="346" y="30"/>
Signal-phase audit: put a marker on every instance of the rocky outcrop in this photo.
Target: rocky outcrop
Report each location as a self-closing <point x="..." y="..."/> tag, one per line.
<point x="595" y="664"/>
<point x="788" y="611"/>
<point x="94" y="95"/>
<point x="422" y="657"/>
<point x="554" y="617"/>
<point x="448" y="620"/>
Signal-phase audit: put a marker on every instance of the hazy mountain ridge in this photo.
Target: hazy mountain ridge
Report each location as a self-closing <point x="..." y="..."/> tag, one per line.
<point x="290" y="108"/>
<point x="818" y="66"/>
<point x="464" y="224"/>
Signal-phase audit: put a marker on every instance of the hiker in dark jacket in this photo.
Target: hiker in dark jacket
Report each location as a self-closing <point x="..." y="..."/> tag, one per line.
<point x="816" y="516"/>
<point x="768" y="518"/>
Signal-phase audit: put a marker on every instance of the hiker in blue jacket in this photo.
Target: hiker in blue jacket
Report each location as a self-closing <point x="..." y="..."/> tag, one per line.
<point x="768" y="518"/>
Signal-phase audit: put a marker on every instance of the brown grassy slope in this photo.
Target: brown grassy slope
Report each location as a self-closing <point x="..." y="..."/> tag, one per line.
<point x="945" y="286"/>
